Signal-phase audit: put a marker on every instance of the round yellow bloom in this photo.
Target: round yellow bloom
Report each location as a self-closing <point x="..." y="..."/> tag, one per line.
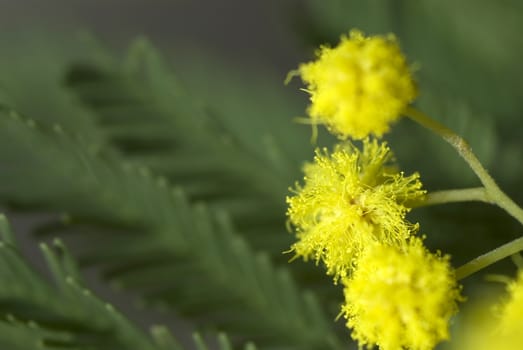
<point x="480" y="330"/>
<point x="350" y="199"/>
<point x="511" y="311"/>
<point x="499" y="327"/>
<point x="400" y="298"/>
<point x="359" y="87"/>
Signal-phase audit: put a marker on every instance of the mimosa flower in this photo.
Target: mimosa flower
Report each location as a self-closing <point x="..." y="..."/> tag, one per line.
<point x="360" y="86"/>
<point x="350" y="199"/>
<point x="510" y="312"/>
<point x="499" y="327"/>
<point x="400" y="298"/>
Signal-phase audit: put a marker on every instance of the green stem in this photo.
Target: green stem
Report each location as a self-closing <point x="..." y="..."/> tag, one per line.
<point x="475" y="194"/>
<point x="489" y="258"/>
<point x="493" y="193"/>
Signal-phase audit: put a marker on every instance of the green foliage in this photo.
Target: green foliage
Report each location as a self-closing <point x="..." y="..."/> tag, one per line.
<point x="31" y="76"/>
<point x="237" y="164"/>
<point x="37" y="314"/>
<point x="194" y="246"/>
<point x="220" y="143"/>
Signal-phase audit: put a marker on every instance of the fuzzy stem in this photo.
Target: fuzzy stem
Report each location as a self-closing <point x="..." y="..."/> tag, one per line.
<point x="493" y="193"/>
<point x="489" y="258"/>
<point x="475" y="194"/>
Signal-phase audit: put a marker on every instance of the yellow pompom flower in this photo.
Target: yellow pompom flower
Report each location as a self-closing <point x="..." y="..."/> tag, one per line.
<point x="350" y="199"/>
<point x="480" y="330"/>
<point x="511" y="310"/>
<point x="400" y="297"/>
<point x="499" y="327"/>
<point x="360" y="86"/>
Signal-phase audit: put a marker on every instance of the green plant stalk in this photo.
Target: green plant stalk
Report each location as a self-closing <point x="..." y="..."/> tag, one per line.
<point x="474" y="194"/>
<point x="489" y="258"/>
<point x="492" y="193"/>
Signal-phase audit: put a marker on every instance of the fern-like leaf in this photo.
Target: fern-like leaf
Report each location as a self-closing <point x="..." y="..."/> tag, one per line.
<point x="148" y="116"/>
<point x="176" y="255"/>
<point x="37" y="314"/>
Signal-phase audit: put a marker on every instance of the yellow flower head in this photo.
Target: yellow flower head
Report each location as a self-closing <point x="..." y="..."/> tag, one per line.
<point x="350" y="199"/>
<point x="400" y="297"/>
<point x="499" y="327"/>
<point x="511" y="311"/>
<point x="359" y="87"/>
<point x="480" y="330"/>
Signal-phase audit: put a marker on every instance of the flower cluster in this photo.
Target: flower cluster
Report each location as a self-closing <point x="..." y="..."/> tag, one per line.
<point x="350" y="215"/>
<point x="350" y="212"/>
<point x="359" y="87"/>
